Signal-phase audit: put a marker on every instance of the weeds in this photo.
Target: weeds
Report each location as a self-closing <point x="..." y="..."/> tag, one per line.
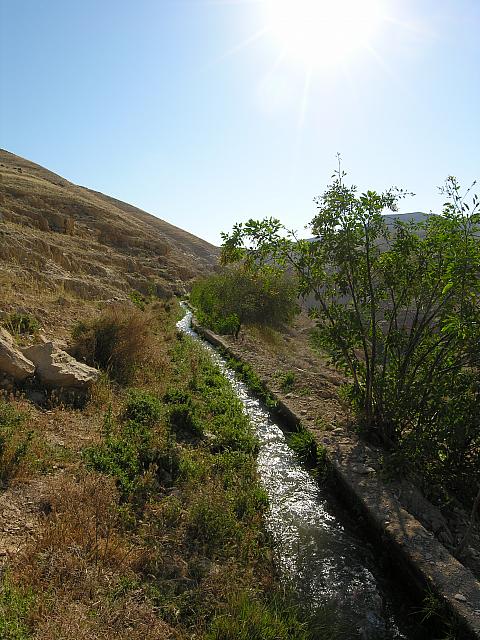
<point x="251" y="379"/>
<point x="163" y="533"/>
<point x="15" y="440"/>
<point x="15" y="605"/>
<point x="132" y="449"/>
<point x="287" y="381"/>
<point x="21" y="324"/>
<point x="250" y="617"/>
<point x="306" y="447"/>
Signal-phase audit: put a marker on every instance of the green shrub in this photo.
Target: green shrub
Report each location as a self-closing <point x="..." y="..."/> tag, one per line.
<point x="226" y="301"/>
<point x="397" y="308"/>
<point x="183" y="419"/>
<point x="304" y="445"/>
<point x="177" y="396"/>
<point x="233" y="432"/>
<point x="132" y="447"/>
<point x="142" y="407"/>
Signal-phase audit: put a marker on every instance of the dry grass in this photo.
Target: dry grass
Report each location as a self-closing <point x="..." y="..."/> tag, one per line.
<point x="79" y="562"/>
<point x="271" y="338"/>
<point x="120" y="341"/>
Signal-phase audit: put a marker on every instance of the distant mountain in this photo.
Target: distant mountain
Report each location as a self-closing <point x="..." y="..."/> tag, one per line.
<point x="414" y="216"/>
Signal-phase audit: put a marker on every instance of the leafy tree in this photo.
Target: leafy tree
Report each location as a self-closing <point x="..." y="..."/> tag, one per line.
<point x="241" y="295"/>
<point x="397" y="307"/>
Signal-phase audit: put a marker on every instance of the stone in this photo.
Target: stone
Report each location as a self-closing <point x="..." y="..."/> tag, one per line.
<point x="460" y="597"/>
<point x="360" y="469"/>
<point x="57" y="369"/>
<point x="12" y="361"/>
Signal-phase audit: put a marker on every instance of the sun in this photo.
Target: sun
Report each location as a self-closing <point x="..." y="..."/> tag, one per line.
<point x="320" y="33"/>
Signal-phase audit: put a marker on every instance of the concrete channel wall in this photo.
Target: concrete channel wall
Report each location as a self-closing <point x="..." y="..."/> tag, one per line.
<point x="423" y="562"/>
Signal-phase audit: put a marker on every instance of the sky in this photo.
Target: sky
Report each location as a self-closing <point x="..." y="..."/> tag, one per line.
<point x="210" y="112"/>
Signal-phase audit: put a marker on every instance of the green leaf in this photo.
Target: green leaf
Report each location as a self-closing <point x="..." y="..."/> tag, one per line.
<point x="447" y="287"/>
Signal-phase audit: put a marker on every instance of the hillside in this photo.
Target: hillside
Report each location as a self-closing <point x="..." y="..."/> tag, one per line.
<point x="63" y="242"/>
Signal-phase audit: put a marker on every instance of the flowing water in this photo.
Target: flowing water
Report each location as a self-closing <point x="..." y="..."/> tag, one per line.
<point x="317" y="549"/>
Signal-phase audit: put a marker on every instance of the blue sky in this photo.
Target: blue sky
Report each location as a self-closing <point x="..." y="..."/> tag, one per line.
<point x="159" y="103"/>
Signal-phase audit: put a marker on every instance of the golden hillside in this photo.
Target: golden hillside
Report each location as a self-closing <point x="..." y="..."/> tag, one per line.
<point x="61" y="244"/>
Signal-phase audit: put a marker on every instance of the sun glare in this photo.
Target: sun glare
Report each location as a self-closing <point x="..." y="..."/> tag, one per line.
<point x="320" y="33"/>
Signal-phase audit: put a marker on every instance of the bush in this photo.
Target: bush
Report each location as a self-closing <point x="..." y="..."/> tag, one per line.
<point x="305" y="446"/>
<point x="142" y="407"/>
<point x="120" y="341"/>
<point x="237" y="296"/>
<point x="182" y="419"/>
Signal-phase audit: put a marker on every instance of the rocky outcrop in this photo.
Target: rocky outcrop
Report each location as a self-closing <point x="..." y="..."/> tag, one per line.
<point x="56" y="369"/>
<point x="13" y="362"/>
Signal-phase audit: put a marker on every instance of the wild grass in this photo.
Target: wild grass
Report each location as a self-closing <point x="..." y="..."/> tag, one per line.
<point x="15" y="440"/>
<point x="118" y="342"/>
<point x="15" y="606"/>
<point x="21" y="324"/>
<point x="307" y="448"/>
<point x="286" y="381"/>
<point x="75" y="566"/>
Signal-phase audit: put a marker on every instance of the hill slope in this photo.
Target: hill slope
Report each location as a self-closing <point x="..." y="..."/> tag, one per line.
<point x="58" y="239"/>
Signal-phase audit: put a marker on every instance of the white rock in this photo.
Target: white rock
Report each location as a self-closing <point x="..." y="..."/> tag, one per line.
<point x="12" y="360"/>
<point x="57" y="369"/>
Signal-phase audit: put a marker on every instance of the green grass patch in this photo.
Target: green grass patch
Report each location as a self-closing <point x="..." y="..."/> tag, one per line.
<point x="21" y="324"/>
<point x="250" y="617"/>
<point x="134" y="445"/>
<point x="15" y="606"/>
<point x="286" y="381"/>
<point x="308" y="450"/>
<point x="15" y="440"/>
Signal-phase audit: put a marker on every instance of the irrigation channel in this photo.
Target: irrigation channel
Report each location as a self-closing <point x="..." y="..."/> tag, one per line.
<point x="319" y="550"/>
